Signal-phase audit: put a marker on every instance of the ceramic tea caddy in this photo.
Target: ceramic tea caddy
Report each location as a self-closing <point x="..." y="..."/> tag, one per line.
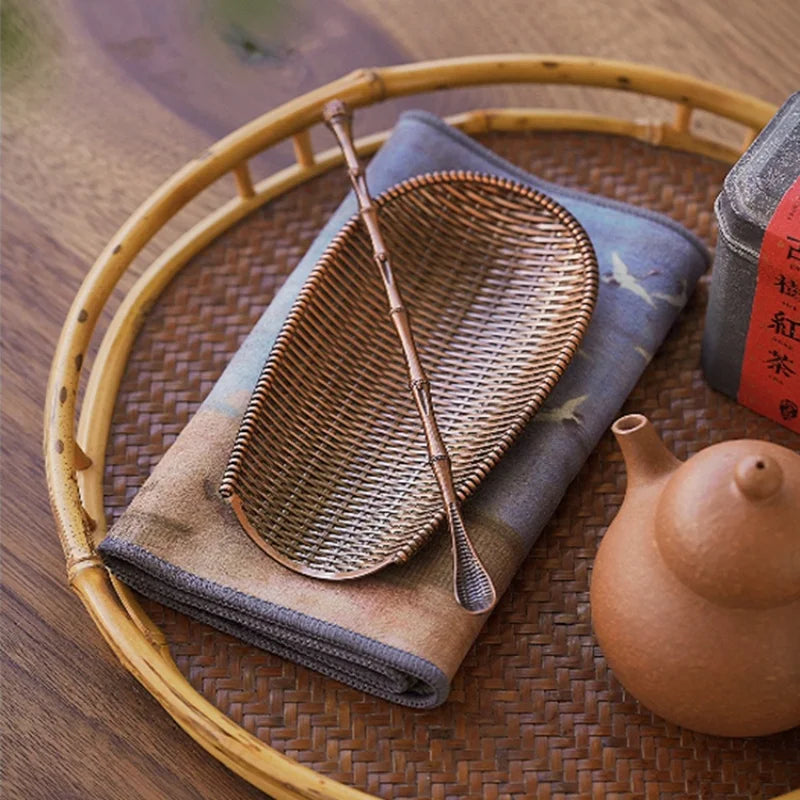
<point x="695" y="591"/>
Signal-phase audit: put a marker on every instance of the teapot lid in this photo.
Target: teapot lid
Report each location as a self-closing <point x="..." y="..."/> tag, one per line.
<point x="728" y="524"/>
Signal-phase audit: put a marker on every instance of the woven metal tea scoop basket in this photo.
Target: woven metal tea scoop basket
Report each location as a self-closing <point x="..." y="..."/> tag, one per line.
<point x="331" y="470"/>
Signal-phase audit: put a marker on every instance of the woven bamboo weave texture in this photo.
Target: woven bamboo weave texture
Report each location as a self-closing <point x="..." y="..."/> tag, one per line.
<point x="534" y="710"/>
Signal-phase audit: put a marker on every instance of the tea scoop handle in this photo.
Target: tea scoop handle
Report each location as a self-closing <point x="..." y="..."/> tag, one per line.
<point x="472" y="584"/>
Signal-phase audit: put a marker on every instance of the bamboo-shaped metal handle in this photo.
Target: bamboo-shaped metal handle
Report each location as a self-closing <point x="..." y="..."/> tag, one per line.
<point x="472" y="584"/>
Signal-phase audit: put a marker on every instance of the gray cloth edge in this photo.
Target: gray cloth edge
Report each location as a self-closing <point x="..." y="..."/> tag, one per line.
<point x="386" y="671"/>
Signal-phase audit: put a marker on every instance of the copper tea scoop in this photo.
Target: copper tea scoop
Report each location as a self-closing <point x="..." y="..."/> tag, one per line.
<point x="472" y="584"/>
<point x="328" y="472"/>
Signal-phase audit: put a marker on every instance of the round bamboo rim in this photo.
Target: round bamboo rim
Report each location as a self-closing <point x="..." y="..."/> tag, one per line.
<point x="75" y="472"/>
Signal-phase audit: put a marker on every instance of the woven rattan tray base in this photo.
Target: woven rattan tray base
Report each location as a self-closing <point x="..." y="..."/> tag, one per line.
<point x="534" y="710"/>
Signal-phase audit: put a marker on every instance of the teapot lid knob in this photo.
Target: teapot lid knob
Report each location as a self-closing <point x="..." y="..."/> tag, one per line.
<point x="758" y="476"/>
<point x="726" y="524"/>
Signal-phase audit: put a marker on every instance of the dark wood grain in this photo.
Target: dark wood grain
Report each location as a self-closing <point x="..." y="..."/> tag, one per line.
<point x="85" y="138"/>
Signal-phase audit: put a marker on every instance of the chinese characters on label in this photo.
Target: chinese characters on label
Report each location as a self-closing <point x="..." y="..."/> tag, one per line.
<point x="783" y="326"/>
<point x="793" y="253"/>
<point x="787" y="286"/>
<point x="779" y="363"/>
<point x="770" y="380"/>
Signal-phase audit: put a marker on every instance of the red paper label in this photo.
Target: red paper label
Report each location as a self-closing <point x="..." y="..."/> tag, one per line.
<point x="770" y="381"/>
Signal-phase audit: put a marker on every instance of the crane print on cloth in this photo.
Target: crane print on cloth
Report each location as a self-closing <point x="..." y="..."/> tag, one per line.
<point x="566" y="412"/>
<point x="622" y="276"/>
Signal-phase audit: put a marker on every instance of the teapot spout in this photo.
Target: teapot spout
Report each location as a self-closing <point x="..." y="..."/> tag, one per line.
<point x="646" y="457"/>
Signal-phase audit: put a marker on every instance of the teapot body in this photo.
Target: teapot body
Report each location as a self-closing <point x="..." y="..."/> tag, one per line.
<point x="706" y="663"/>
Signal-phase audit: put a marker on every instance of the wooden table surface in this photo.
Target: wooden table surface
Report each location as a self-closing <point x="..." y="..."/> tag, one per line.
<point x="101" y="102"/>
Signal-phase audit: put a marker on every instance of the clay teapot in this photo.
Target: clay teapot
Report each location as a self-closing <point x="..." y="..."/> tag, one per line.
<point x="695" y="592"/>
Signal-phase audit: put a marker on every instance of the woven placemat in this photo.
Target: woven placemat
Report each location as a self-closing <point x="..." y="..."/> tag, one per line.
<point x="534" y="710"/>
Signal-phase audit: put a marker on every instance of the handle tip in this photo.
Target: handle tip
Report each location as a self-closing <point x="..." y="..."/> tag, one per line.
<point x="335" y="109"/>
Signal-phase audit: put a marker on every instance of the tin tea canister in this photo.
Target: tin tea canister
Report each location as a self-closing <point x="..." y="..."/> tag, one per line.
<point x="751" y="343"/>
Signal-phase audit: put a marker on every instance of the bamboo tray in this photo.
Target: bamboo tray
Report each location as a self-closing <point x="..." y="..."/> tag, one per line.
<point x="533" y="709"/>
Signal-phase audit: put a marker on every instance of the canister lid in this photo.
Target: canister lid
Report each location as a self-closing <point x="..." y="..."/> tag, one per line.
<point x="754" y="186"/>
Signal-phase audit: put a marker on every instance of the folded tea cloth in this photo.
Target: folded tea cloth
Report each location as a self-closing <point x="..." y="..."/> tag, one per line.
<point x="399" y="634"/>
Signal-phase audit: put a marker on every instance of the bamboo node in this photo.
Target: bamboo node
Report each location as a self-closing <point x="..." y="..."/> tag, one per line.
<point x="75" y="567"/>
<point x="377" y="85"/>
